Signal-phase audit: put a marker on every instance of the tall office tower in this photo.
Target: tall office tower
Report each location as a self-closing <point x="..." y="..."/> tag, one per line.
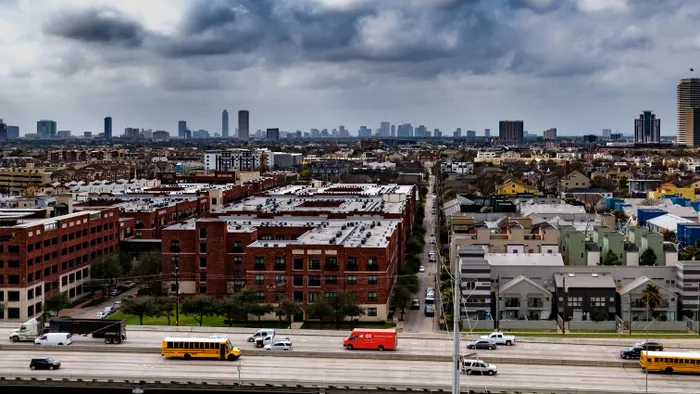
<point x="273" y="134"/>
<point x="647" y="129"/>
<point x="12" y="132"/>
<point x="393" y="130"/>
<point x="181" y="129"/>
<point x="243" y="125"/>
<point x="550" y="134"/>
<point x="46" y="129"/>
<point x="437" y="133"/>
<point x="606" y="133"/>
<point x="108" y="128"/>
<point x="420" y="131"/>
<point x="511" y="131"/>
<point x="3" y="131"/>
<point x="688" y="96"/>
<point x="471" y="133"/>
<point x="385" y="129"/>
<point x="458" y="132"/>
<point x="692" y="124"/>
<point x="487" y="133"/>
<point x="224" y="124"/>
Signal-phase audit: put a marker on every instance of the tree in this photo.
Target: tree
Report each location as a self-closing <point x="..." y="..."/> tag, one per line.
<point x="400" y="299"/>
<point x="611" y="258"/>
<point x="320" y="309"/>
<point x="94" y="285"/>
<point x="246" y="299"/>
<point x="57" y="302"/>
<point x="229" y="307"/>
<point x="165" y="307"/>
<point x="691" y="252"/>
<point x="148" y="271"/>
<point x="651" y="297"/>
<point x="140" y="306"/>
<point x="199" y="307"/>
<point x="648" y="257"/>
<point x="349" y="307"/>
<point x="106" y="267"/>
<point x="259" y="310"/>
<point x="288" y="309"/>
<point x="410" y="282"/>
<point x="669" y="236"/>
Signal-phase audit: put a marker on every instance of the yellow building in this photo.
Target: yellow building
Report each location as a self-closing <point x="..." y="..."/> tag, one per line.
<point x="512" y="188"/>
<point x="669" y="189"/>
<point x="16" y="180"/>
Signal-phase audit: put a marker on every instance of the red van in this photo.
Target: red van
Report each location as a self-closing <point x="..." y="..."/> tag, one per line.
<point x="368" y="338"/>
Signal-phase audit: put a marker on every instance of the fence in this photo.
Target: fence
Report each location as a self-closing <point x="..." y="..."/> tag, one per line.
<point x="593" y="325"/>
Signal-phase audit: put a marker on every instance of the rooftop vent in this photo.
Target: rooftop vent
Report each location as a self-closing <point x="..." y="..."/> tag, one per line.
<point x="571" y="275"/>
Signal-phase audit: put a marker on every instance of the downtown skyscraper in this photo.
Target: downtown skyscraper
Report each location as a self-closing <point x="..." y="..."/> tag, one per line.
<point x="224" y="124"/>
<point x="108" y="128"/>
<point x="243" y="125"/>
<point x="647" y="128"/>
<point x="687" y="100"/>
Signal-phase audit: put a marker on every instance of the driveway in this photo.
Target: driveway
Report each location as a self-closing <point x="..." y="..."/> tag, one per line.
<point x="88" y="313"/>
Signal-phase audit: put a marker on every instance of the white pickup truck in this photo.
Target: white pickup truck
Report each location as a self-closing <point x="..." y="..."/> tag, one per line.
<point x="500" y="338"/>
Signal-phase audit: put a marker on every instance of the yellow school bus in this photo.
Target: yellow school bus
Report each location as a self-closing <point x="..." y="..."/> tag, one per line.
<point x="670" y="362"/>
<point x="189" y="348"/>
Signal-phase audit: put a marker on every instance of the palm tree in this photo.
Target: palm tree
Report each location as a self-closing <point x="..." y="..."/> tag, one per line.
<point x="691" y="252"/>
<point x="651" y="297"/>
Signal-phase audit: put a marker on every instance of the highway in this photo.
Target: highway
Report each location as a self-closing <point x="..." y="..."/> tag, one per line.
<point x="418" y="374"/>
<point x="413" y="346"/>
<point x="415" y="321"/>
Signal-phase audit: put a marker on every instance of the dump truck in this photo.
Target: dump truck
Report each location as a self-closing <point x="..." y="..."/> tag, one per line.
<point x="113" y="331"/>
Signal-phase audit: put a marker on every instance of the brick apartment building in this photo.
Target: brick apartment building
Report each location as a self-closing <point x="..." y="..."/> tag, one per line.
<point x="298" y="258"/>
<point x="151" y="214"/>
<point x="40" y="256"/>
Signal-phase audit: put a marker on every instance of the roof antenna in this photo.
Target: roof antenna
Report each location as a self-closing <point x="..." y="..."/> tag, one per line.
<point x="691" y="73"/>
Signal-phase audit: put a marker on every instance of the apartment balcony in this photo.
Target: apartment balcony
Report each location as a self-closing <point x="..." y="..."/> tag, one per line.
<point x="259" y="267"/>
<point x="352" y="267"/>
<point x="372" y="267"/>
<point x="535" y="305"/>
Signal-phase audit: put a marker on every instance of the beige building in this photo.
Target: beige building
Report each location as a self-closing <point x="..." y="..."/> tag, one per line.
<point x="575" y="180"/>
<point x="510" y="237"/>
<point x="16" y="180"/>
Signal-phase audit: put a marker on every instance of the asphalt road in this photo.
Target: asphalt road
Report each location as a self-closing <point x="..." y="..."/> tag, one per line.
<point x="412" y="346"/>
<point x="89" y="313"/>
<point x="415" y="321"/>
<point x="415" y="373"/>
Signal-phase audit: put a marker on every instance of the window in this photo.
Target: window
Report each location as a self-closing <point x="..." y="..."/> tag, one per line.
<point x="260" y="295"/>
<point x="314" y="264"/>
<point x="13" y="249"/>
<point x="203" y="262"/>
<point x="202" y="290"/>
<point x="238" y="260"/>
<point x="372" y="296"/>
<point x="202" y="248"/>
<point x="331" y="262"/>
<point x="13" y="296"/>
<point x="313" y="297"/>
<point x="298" y="264"/>
<point x="352" y="279"/>
<point x="315" y="280"/>
<point x="203" y="277"/>
<point x="352" y="260"/>
<point x="298" y="280"/>
<point x="259" y="279"/>
<point x="266" y="238"/>
<point x="331" y="279"/>
<point x="202" y="233"/>
<point x="597" y="301"/>
<point x="372" y="280"/>
<point x="576" y="301"/>
<point x="259" y="262"/>
<point x="330" y="295"/>
<point x="371" y="311"/>
<point x="237" y="246"/>
<point x="279" y="263"/>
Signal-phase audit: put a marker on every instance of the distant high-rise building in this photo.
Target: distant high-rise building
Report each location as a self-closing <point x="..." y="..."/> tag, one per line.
<point x="12" y="132"/>
<point x="647" y="129"/>
<point x="550" y="134"/>
<point x="437" y="133"/>
<point x="3" y="131"/>
<point x="420" y="131"/>
<point x="188" y="134"/>
<point x="688" y="96"/>
<point x="487" y="133"/>
<point x="224" y="124"/>
<point x="243" y="125"/>
<point x="182" y="129"/>
<point x="63" y="134"/>
<point x="393" y="130"/>
<point x="471" y="133"/>
<point x="511" y="131"/>
<point x="606" y="133"/>
<point x="615" y="136"/>
<point x="404" y="130"/>
<point x="87" y="134"/>
<point x="692" y="127"/>
<point x="385" y="129"/>
<point x="273" y="134"/>
<point x="46" y="129"/>
<point x="108" y="128"/>
<point x="364" y="132"/>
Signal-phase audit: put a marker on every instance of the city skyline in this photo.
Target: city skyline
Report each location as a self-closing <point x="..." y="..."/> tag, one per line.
<point x="150" y="64"/>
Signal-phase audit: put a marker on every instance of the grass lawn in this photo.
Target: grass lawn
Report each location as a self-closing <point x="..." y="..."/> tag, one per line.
<point x="345" y="326"/>
<point x="185" y="320"/>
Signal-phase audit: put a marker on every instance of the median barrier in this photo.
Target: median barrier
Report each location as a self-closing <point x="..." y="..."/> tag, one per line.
<point x="623" y="341"/>
<point x="291" y="385"/>
<point x="346" y="355"/>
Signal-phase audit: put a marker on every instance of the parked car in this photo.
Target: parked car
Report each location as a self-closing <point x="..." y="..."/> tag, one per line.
<point x="265" y="332"/>
<point x="115" y="292"/>
<point x="117" y="304"/>
<point x="281" y="345"/>
<point x="500" y="339"/>
<point x="421" y="269"/>
<point x="100" y="315"/>
<point x="650" y="345"/>
<point x="109" y="310"/>
<point x="269" y="340"/>
<point x="415" y="304"/>
<point x="429" y="290"/>
<point x="630" y="353"/>
<point x="482" y="344"/>
<point x="429" y="311"/>
<point x="49" y="363"/>
<point x="478" y="367"/>
<point x="129" y="285"/>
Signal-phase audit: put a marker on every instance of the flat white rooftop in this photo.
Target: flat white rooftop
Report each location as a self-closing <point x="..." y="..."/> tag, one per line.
<point x="520" y="259"/>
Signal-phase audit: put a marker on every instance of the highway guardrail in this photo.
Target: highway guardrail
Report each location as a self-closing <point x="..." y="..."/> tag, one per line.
<point x="348" y="355"/>
<point x="146" y="382"/>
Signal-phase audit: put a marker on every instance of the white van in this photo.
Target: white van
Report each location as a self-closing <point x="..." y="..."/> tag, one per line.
<point x="430" y="298"/>
<point x="265" y="332"/>
<point x="55" y="338"/>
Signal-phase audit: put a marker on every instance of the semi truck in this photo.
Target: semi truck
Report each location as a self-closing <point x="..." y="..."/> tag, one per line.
<point x="29" y="330"/>
<point x="113" y="331"/>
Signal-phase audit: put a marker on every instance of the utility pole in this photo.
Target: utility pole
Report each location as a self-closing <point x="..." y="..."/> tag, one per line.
<point x="176" y="274"/>
<point x="498" y="303"/>
<point x="456" y="388"/>
<point x="566" y="303"/>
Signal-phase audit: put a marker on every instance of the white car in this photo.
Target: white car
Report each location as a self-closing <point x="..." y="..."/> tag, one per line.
<point x="281" y="345"/>
<point x="421" y="269"/>
<point x="100" y="315"/>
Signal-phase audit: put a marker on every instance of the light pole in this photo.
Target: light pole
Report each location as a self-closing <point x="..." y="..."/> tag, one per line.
<point x="456" y="388"/>
<point x="697" y="313"/>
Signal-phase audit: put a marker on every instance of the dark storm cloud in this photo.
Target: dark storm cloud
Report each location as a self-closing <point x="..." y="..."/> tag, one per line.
<point x="539" y="6"/>
<point x="636" y="42"/>
<point x="102" y="26"/>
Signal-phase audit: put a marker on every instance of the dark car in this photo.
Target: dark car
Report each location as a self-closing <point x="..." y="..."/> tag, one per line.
<point x="429" y="311"/>
<point x="49" y="363"/>
<point x="415" y="304"/>
<point x="632" y="352"/>
<point x="482" y="344"/>
<point x="650" y="345"/>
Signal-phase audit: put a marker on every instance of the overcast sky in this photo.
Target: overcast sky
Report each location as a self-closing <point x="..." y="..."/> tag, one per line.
<point x="578" y="65"/>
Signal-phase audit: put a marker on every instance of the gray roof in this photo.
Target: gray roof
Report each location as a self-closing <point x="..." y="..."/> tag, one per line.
<point x="639" y="282"/>
<point x="630" y="247"/>
<point x="669" y="247"/>
<point x="592" y="246"/>
<point x="585" y="280"/>
<point x="519" y="279"/>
